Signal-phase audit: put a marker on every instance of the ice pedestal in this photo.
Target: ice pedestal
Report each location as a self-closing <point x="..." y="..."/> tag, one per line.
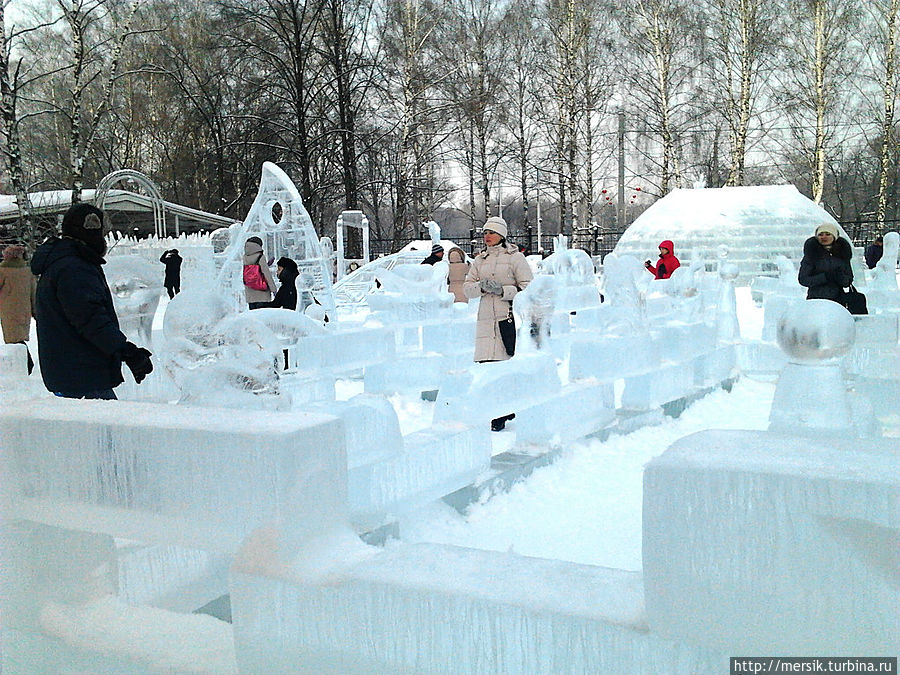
<point x="439" y="609"/>
<point x="811" y="395"/>
<point x="767" y="543"/>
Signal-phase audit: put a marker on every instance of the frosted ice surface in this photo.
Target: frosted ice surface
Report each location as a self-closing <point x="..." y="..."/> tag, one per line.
<point x="742" y="530"/>
<point x="758" y="223"/>
<point x="218" y="357"/>
<point x="135" y="286"/>
<point x="182" y="475"/>
<point x="440" y="609"/>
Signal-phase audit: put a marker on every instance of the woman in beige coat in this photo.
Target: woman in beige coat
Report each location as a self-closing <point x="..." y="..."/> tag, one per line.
<point x="496" y="275"/>
<point x="16" y="297"/>
<point x="253" y="255"/>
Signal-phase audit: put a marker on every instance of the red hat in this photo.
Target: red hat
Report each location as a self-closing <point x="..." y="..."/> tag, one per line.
<point x="668" y="245"/>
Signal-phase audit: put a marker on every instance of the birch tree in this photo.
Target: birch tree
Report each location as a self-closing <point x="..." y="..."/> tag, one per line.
<point x="819" y="60"/>
<point x="567" y="23"/>
<point x="473" y="89"/>
<point x="886" y="19"/>
<point x="522" y="90"/>
<point x="10" y="84"/>
<point x="659" y="34"/>
<point x="89" y="65"/>
<point x="741" y="38"/>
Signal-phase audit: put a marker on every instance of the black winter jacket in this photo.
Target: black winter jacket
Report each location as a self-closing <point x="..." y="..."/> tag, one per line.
<point x="826" y="273"/>
<point x="286" y="296"/>
<point x="79" y="341"/>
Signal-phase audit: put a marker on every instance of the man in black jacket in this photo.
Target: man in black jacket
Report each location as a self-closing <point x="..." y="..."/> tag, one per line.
<point x="172" y="282"/>
<point x="80" y="346"/>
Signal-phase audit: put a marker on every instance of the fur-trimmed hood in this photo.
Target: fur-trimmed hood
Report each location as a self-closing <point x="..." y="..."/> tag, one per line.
<point x="840" y="249"/>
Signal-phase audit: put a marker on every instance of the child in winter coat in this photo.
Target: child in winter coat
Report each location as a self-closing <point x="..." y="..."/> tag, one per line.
<point x="667" y="264"/>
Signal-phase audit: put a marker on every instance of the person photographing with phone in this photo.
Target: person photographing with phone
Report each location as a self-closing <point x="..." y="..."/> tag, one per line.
<point x="667" y="262"/>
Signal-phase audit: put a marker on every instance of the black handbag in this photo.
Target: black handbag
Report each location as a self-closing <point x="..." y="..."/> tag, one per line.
<point x="855" y="302"/>
<point x="508" y="332"/>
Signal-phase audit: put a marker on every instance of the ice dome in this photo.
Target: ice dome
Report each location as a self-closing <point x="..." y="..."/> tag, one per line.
<point x="757" y="224"/>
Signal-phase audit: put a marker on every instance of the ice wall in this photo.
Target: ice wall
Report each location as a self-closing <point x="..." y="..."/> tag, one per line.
<point x="439" y="609"/>
<point x="766" y="543"/>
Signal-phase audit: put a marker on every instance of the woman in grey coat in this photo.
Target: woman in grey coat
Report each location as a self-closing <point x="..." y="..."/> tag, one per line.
<point x="495" y="277"/>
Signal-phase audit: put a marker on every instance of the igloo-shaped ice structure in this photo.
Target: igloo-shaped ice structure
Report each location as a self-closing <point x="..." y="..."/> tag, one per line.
<point x="757" y="224"/>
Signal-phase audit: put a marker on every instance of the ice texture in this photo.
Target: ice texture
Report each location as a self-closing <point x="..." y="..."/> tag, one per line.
<point x="201" y="478"/>
<point x="135" y="286"/>
<point x="759" y="223"/>
<point x="429" y="608"/>
<point x="761" y="542"/>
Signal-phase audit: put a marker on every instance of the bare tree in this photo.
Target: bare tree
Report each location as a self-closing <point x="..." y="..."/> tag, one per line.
<point x="10" y="82"/>
<point x="659" y="33"/>
<point x="522" y="89"/>
<point x="818" y="60"/>
<point x="885" y="15"/>
<point x="741" y="37"/>
<point x="88" y="64"/>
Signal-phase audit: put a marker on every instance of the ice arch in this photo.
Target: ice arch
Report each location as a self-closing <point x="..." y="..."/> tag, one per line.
<point x="152" y="189"/>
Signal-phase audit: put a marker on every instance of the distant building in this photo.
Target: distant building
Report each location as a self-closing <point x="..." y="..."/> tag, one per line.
<point x="128" y="212"/>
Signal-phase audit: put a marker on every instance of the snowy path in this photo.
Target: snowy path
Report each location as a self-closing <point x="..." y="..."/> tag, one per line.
<point x="586" y="507"/>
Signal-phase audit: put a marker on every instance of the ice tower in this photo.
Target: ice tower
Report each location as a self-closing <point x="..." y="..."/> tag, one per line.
<point x="757" y="223"/>
<point x="279" y="218"/>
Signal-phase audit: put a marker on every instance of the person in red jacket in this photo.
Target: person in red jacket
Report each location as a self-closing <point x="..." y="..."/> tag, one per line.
<point x="667" y="264"/>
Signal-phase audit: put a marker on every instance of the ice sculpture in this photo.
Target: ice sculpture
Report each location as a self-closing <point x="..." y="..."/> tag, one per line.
<point x="726" y="317"/>
<point x="219" y="357"/>
<point x="758" y="223"/>
<point x="135" y="285"/>
<point x="535" y="306"/>
<point x="410" y="293"/>
<point x="574" y="272"/>
<point x="279" y="218"/>
<point x="811" y="396"/>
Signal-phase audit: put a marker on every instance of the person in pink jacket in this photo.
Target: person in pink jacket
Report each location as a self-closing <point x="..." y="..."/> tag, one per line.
<point x="667" y="263"/>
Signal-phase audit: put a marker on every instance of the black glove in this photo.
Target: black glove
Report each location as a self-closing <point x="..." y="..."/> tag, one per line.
<point x="138" y="361"/>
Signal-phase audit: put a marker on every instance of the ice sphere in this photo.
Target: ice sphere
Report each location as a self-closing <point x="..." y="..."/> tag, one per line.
<point x="816" y="331"/>
<point x="761" y="542"/>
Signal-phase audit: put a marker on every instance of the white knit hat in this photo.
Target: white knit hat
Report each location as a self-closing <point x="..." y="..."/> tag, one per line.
<point x="828" y="227"/>
<point x="496" y="224"/>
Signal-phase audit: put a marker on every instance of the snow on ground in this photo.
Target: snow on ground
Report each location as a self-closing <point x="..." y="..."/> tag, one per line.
<point x="586" y="507"/>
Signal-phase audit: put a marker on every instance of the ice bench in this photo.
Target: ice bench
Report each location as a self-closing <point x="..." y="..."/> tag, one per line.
<point x="429" y="608"/>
